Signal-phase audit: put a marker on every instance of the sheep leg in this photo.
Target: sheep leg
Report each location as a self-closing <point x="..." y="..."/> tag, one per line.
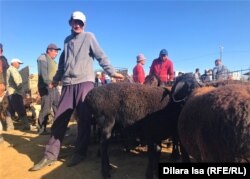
<point x="175" y="155"/>
<point x="105" y="159"/>
<point x="184" y="155"/>
<point x="157" y="149"/>
<point x="154" y="152"/>
<point x="149" y="171"/>
<point x="129" y="136"/>
<point x="106" y="134"/>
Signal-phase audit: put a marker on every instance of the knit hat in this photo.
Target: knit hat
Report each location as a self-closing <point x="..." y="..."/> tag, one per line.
<point x="140" y="57"/>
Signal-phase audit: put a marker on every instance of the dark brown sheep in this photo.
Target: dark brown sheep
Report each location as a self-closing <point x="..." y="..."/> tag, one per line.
<point x="214" y="126"/>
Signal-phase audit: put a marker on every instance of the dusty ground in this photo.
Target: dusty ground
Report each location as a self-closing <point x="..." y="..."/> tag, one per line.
<point x="21" y="150"/>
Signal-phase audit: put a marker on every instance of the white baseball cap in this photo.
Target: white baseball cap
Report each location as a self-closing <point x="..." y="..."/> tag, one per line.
<point x="77" y="15"/>
<point x="16" y="60"/>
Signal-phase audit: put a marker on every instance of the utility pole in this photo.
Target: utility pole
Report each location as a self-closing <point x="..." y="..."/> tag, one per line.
<point x="221" y="51"/>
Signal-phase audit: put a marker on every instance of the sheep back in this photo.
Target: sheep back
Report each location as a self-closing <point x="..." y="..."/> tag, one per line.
<point x="127" y="102"/>
<point x="215" y="126"/>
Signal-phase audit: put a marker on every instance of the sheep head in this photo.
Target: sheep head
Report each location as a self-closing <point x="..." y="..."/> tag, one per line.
<point x="183" y="87"/>
<point x="152" y="80"/>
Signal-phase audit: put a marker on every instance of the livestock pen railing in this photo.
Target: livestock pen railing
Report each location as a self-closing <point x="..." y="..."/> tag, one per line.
<point x="243" y="75"/>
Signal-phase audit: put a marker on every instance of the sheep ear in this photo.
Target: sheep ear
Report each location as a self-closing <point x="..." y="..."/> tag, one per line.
<point x="152" y="80"/>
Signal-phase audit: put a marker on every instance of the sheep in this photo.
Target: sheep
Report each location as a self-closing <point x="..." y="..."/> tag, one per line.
<point x="125" y="104"/>
<point x="180" y="93"/>
<point x="153" y="80"/>
<point x="213" y="123"/>
<point x="157" y="127"/>
<point x="214" y="126"/>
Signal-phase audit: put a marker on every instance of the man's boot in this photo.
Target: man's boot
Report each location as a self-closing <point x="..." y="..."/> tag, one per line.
<point x="42" y="130"/>
<point x="26" y="124"/>
<point x="9" y="124"/>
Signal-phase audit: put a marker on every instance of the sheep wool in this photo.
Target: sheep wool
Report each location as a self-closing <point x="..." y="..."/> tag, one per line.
<point x="126" y="102"/>
<point x="215" y="126"/>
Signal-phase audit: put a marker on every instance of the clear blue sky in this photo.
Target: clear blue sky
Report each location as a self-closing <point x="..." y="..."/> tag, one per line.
<point x="191" y="31"/>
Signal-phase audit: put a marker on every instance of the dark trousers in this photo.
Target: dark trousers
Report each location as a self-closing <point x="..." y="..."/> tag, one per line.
<point x="16" y="105"/>
<point x="72" y="97"/>
<point x="49" y="99"/>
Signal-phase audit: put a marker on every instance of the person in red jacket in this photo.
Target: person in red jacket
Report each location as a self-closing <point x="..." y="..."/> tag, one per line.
<point x="138" y="71"/>
<point x="163" y="67"/>
<point x="103" y="78"/>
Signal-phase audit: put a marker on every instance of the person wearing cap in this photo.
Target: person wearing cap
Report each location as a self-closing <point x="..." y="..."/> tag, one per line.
<point x="220" y="71"/>
<point x="163" y="67"/>
<point x="103" y="78"/>
<point x="3" y="68"/>
<point x="98" y="81"/>
<point x="47" y="68"/>
<point x="76" y="73"/>
<point x="138" y="71"/>
<point x="15" y="92"/>
<point x="206" y="76"/>
<point x="197" y="75"/>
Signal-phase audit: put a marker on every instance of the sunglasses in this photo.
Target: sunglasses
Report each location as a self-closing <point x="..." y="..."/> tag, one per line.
<point x="77" y="22"/>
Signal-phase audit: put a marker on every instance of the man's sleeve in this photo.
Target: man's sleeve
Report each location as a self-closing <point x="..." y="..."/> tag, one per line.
<point x="5" y="63"/>
<point x="17" y="78"/>
<point x="101" y="56"/>
<point x="140" y="73"/>
<point x="171" y="72"/>
<point x="214" y="73"/>
<point x="43" y="70"/>
<point x="60" y="70"/>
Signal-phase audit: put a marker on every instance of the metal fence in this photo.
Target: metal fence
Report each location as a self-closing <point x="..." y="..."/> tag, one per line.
<point x="243" y="75"/>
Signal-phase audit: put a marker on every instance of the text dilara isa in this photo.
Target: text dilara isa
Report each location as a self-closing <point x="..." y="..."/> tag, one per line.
<point x="173" y="170"/>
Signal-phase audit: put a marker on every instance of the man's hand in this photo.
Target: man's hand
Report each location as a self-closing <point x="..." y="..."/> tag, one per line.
<point x="54" y="83"/>
<point x="50" y="85"/>
<point x="118" y="76"/>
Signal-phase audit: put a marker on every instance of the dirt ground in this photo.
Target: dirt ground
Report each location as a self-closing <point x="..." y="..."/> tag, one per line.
<point x="21" y="150"/>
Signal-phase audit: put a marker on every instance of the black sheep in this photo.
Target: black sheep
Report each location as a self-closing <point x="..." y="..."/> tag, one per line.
<point x="125" y="104"/>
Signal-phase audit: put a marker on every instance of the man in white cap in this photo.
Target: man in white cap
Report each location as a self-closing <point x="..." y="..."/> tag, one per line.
<point x="15" y="92"/>
<point x="138" y="71"/>
<point x="77" y="75"/>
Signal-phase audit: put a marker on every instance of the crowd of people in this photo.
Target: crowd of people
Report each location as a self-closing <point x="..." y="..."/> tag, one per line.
<point x="76" y="75"/>
<point x="219" y="72"/>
